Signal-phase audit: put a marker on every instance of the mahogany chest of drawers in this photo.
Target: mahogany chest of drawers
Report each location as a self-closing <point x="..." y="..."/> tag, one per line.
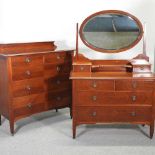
<point x="34" y="78"/>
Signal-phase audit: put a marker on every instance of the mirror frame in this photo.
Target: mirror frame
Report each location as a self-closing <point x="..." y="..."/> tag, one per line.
<point x="111" y="12"/>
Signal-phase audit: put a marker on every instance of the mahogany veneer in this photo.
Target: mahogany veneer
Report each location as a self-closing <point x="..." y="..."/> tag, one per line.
<point x="34" y="78"/>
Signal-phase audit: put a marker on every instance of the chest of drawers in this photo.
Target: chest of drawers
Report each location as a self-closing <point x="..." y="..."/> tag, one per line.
<point x="34" y="78"/>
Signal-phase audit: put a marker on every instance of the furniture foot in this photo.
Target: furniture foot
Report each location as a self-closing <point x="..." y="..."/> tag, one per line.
<point x="56" y="110"/>
<point x="74" y="130"/>
<point x="12" y="127"/>
<point x="71" y="113"/>
<point x="151" y="130"/>
<point x="143" y="125"/>
<point x="0" y="120"/>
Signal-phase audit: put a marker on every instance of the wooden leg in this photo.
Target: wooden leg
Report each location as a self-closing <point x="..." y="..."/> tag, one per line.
<point x="74" y="130"/>
<point x="71" y="113"/>
<point x="12" y="127"/>
<point x="56" y="110"/>
<point x="152" y="129"/>
<point x="0" y="120"/>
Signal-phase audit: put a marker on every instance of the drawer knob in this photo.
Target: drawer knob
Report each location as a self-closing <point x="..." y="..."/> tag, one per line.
<point x="81" y="68"/>
<point x="142" y="68"/>
<point x="27" y="60"/>
<point x="28" y="88"/>
<point x="28" y="73"/>
<point x="94" y="85"/>
<point x="94" y="113"/>
<point x="58" y="98"/>
<point x="134" y="84"/>
<point x="134" y="98"/>
<point x="94" y="98"/>
<point x="58" y="68"/>
<point x="133" y="114"/>
<point x="58" y="57"/>
<point x="29" y="105"/>
<point x="58" y="82"/>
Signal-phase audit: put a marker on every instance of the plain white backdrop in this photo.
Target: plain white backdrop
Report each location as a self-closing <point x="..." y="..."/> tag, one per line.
<point x="47" y="20"/>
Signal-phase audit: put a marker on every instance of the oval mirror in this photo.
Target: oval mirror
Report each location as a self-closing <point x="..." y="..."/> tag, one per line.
<point x="111" y="31"/>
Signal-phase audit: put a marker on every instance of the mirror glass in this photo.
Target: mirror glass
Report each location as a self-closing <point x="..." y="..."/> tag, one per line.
<point x="111" y="32"/>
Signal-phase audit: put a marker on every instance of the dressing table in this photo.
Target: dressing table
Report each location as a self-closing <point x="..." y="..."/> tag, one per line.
<point x="112" y="91"/>
<point x="34" y="77"/>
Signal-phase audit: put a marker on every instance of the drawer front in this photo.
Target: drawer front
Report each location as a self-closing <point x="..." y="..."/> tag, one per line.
<point x="133" y="85"/>
<point x="21" y="73"/>
<point x="82" y="68"/>
<point x="57" y="70"/>
<point x="58" y="83"/>
<point x="57" y="58"/>
<point x="27" y="87"/>
<point x="28" y="60"/>
<point x="113" y="114"/>
<point x="58" y="99"/>
<point x="106" y="85"/>
<point x="105" y="98"/>
<point x="26" y="106"/>
<point x="142" y="69"/>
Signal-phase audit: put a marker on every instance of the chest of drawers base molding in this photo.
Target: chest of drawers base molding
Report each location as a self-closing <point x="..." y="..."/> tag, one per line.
<point x="33" y="80"/>
<point x="113" y="100"/>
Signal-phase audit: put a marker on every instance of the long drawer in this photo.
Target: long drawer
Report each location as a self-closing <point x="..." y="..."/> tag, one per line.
<point x="112" y="114"/>
<point x="101" y="98"/>
<point x="58" y="99"/>
<point x="124" y="85"/>
<point x="28" y="105"/>
<point x="107" y="85"/>
<point x="28" y="87"/>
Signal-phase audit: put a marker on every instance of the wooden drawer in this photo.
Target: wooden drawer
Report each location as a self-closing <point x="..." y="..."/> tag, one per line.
<point x="27" y="60"/>
<point x="124" y="85"/>
<point x="28" y="105"/>
<point x="58" y="99"/>
<point x="117" y="98"/>
<point x="27" y="87"/>
<point x="57" y="58"/>
<point x="56" y="70"/>
<point x="81" y="68"/>
<point x="106" y="85"/>
<point x="21" y="73"/>
<point x="58" y="83"/>
<point x="113" y="114"/>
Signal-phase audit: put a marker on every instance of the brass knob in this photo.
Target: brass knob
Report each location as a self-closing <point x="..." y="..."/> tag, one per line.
<point x="134" y="84"/>
<point x="58" y="98"/>
<point x="29" y="105"/>
<point x="58" y="57"/>
<point x="133" y="113"/>
<point x="94" y="113"/>
<point x="28" y="87"/>
<point x="27" y="60"/>
<point x="28" y="73"/>
<point x="81" y="68"/>
<point x="94" y="85"/>
<point x="58" y="68"/>
<point x="133" y="98"/>
<point x="58" y="82"/>
<point x="94" y="98"/>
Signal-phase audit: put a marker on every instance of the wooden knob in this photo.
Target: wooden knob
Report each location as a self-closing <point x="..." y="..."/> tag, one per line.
<point x="94" y="85"/>
<point x="94" y="98"/>
<point x="28" y="87"/>
<point x="27" y="60"/>
<point x="94" y="113"/>
<point x="81" y="68"/>
<point x="58" y="57"/>
<point x="29" y="105"/>
<point x="133" y="98"/>
<point x="58" y="68"/>
<point x="133" y="114"/>
<point x="28" y="73"/>
<point x="134" y="84"/>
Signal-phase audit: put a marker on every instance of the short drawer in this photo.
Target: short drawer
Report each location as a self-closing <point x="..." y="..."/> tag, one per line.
<point x="27" y="60"/>
<point x="112" y="114"/>
<point x="26" y="106"/>
<point x="58" y="99"/>
<point x="56" y="70"/>
<point x="58" y="83"/>
<point x="122" y="85"/>
<point x="116" y="98"/>
<point x="106" y="85"/>
<point x="27" y="87"/>
<point x="142" y="69"/>
<point x="21" y="73"/>
<point x="57" y="58"/>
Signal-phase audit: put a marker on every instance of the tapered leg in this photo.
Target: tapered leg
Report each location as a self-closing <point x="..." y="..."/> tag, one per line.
<point x="152" y="129"/>
<point x="0" y="120"/>
<point x="12" y="127"/>
<point x="74" y="130"/>
<point x="56" y="110"/>
<point x="71" y="113"/>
